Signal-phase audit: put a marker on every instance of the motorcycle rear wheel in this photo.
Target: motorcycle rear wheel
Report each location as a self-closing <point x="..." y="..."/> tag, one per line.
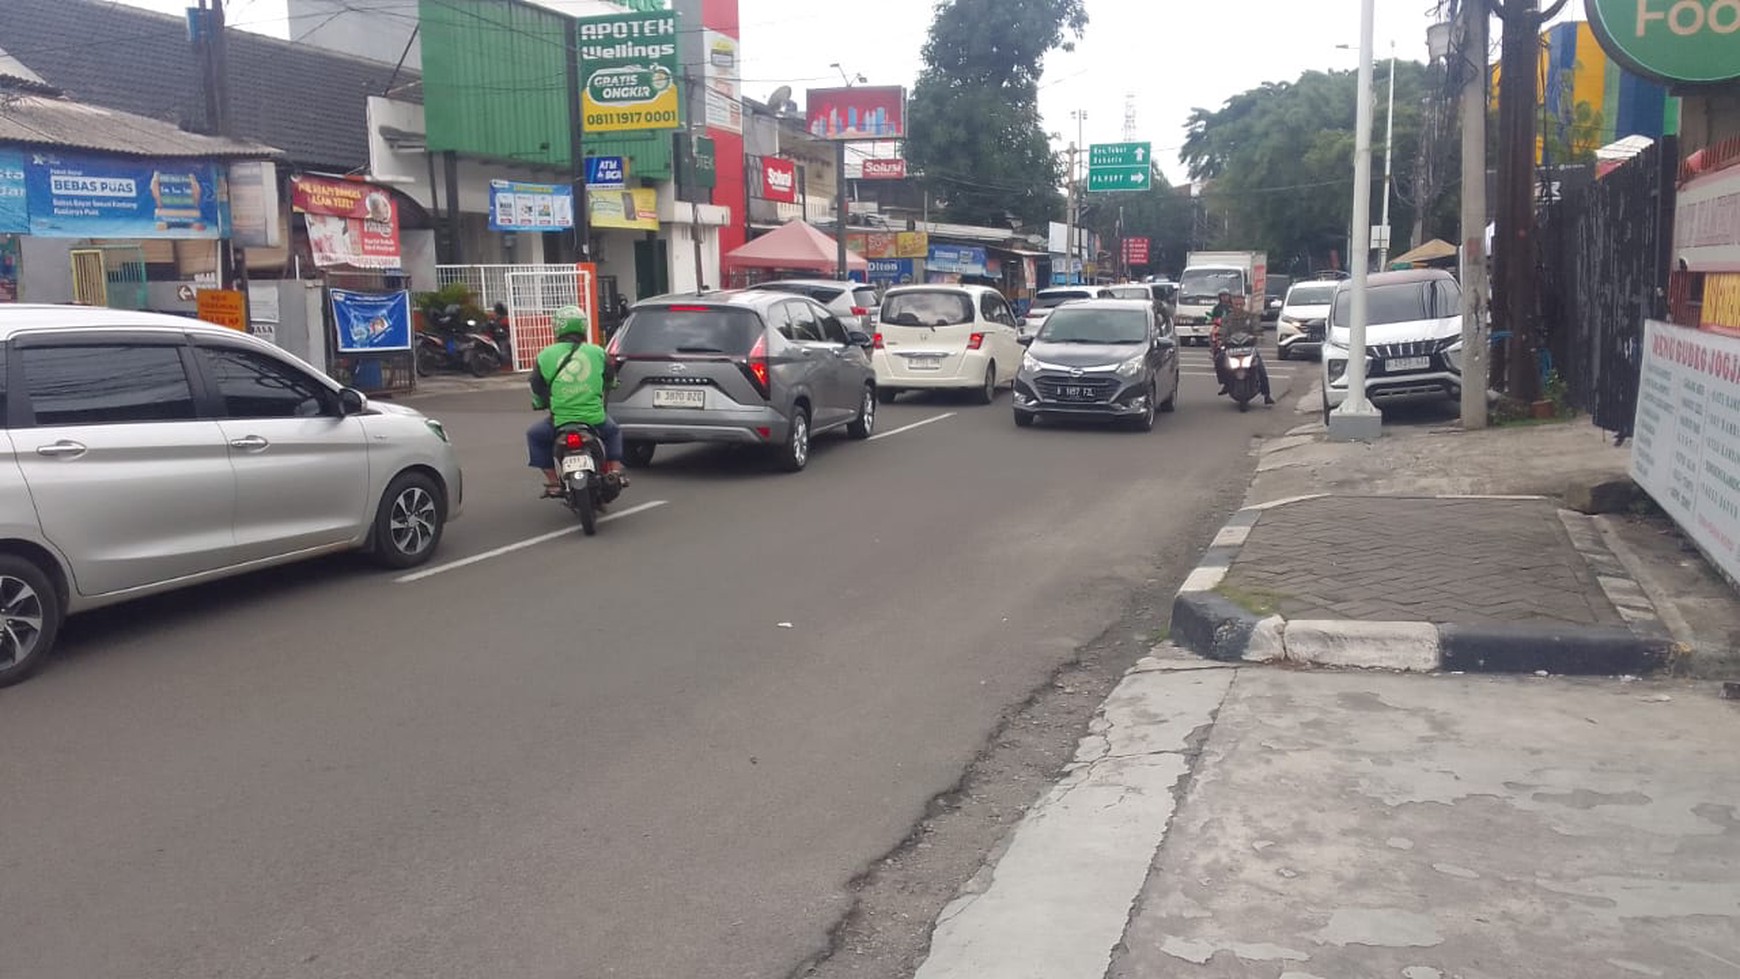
<point x="580" y="501"/>
<point x="482" y="362"/>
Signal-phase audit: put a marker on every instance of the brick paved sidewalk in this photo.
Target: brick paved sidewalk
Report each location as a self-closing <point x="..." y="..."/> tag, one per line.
<point x="1390" y="559"/>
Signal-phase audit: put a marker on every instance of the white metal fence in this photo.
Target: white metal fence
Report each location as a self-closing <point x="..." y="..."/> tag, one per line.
<point x="532" y="293"/>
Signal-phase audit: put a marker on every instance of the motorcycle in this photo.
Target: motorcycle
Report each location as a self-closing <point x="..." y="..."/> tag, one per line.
<point x="502" y="336"/>
<point x="456" y="344"/>
<point x="586" y="485"/>
<point x="1243" y="362"/>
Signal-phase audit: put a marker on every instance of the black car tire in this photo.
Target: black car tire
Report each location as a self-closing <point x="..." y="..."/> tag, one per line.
<point x="794" y="455"/>
<point x="1024" y="419"/>
<point x="1282" y="351"/>
<point x="864" y="425"/>
<point x="411" y="512"/>
<point x="1171" y="403"/>
<point x="28" y="600"/>
<point x="988" y="392"/>
<point x="638" y="454"/>
<point x="1145" y="422"/>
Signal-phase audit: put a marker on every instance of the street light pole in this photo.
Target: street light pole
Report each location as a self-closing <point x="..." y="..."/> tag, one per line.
<point x="1073" y="262"/>
<point x="1389" y="153"/>
<point x="1356" y="419"/>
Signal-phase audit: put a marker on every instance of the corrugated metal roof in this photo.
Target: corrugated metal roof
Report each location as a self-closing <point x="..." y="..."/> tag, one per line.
<point x="46" y="120"/>
<point x="307" y="101"/>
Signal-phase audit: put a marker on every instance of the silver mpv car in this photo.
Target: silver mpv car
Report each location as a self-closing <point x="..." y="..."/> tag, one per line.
<point x="747" y="367"/>
<point x="140" y="453"/>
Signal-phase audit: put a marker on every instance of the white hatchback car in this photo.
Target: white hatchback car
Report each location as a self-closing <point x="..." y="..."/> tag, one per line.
<point x="1413" y="339"/>
<point x="141" y="453"/>
<point x="945" y="337"/>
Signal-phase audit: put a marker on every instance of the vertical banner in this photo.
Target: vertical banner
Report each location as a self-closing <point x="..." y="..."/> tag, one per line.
<point x="628" y="72"/>
<point x="724" y="94"/>
<point x="371" y="322"/>
<point x="350" y="223"/>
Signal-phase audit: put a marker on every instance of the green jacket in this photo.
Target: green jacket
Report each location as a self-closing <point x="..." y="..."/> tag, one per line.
<point x="1222" y="311"/>
<point x="577" y="393"/>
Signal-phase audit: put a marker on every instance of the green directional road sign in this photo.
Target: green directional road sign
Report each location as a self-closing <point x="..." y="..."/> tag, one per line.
<point x="1119" y="166"/>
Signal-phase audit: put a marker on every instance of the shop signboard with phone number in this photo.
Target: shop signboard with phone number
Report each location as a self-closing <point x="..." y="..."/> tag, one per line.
<point x="628" y="72"/>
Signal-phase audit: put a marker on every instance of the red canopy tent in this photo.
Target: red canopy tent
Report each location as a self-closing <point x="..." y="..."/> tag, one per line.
<point x="794" y="247"/>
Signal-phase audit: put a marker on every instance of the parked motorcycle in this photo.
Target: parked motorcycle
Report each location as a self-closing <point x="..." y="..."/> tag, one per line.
<point x="1243" y="364"/>
<point x="586" y="486"/>
<point x="501" y="333"/>
<point x="455" y="343"/>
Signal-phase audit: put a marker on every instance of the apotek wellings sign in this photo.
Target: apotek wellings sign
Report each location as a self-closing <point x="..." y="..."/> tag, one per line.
<point x="1686" y="42"/>
<point x="628" y="72"/>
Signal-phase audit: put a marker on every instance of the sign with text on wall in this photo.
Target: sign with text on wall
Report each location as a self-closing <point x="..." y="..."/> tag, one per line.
<point x="350" y="223"/>
<point x="84" y="195"/>
<point x="635" y="210"/>
<point x="628" y="72"/>
<point x="606" y="171"/>
<point x="517" y="206"/>
<point x="779" y="180"/>
<point x="1688" y="41"/>
<point x="1685" y="448"/>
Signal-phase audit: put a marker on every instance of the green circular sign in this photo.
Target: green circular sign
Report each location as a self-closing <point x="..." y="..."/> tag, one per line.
<point x="1689" y="42"/>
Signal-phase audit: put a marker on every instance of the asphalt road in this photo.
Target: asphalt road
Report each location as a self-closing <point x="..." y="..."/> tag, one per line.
<point x="584" y="757"/>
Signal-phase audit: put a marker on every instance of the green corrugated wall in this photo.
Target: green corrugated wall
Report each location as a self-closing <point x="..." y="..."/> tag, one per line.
<point x="495" y="86"/>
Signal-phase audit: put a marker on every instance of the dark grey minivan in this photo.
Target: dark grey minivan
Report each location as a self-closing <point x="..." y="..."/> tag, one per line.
<point x="746" y="367"/>
<point x="1114" y="359"/>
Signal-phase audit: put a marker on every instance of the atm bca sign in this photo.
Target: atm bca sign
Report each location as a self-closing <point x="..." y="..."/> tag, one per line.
<point x="1684" y="42"/>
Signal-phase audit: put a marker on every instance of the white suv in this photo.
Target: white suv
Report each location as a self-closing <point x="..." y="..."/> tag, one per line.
<point x="141" y="453"/>
<point x="1413" y="338"/>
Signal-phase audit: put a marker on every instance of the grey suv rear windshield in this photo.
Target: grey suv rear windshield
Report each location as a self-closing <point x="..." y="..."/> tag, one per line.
<point x="680" y="330"/>
<point x="927" y="309"/>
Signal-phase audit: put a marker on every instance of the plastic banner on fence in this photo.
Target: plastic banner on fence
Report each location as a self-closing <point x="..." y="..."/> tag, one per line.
<point x="371" y="322"/>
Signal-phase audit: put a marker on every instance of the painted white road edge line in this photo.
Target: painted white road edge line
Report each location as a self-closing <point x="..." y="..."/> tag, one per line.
<point x="907" y="428"/>
<point x="1205" y="577"/>
<point x="466" y="562"/>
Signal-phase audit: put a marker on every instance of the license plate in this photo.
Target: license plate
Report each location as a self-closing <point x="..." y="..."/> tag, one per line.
<point x="679" y="398"/>
<point x="1077" y="391"/>
<point x="925" y="363"/>
<point x="580" y="462"/>
<point x="1395" y="364"/>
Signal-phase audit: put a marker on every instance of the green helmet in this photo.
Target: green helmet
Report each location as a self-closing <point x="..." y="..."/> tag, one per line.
<point x="570" y="320"/>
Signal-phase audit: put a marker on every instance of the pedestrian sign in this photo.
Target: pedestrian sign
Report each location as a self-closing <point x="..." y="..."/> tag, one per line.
<point x="1120" y="166"/>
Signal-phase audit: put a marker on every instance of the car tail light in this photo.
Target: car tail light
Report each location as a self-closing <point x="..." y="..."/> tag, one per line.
<point x="877" y="340"/>
<point x="613" y="351"/>
<point x="860" y="311"/>
<point x="572" y="441"/>
<point x="975" y="341"/>
<point x="690" y="309"/>
<point x="756" y="369"/>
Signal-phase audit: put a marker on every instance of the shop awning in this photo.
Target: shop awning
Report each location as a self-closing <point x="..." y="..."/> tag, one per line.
<point x="793" y="246"/>
<point x="1435" y="250"/>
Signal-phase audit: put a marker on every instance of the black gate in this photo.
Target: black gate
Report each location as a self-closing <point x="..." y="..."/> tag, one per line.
<point x="1605" y="252"/>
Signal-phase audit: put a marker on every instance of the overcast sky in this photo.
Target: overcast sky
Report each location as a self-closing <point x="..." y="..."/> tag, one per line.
<point x="1170" y="55"/>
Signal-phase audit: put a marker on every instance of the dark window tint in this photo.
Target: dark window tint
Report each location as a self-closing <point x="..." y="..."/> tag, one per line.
<point x="821" y="294"/>
<point x="3" y="422"/>
<point x="1048" y="298"/>
<point x="832" y="329"/>
<point x="254" y="385"/>
<point x="1402" y="303"/>
<point x="1077" y="324"/>
<point x="803" y="322"/>
<point x="106" y="384"/>
<point x="661" y="330"/>
<point x="936" y="308"/>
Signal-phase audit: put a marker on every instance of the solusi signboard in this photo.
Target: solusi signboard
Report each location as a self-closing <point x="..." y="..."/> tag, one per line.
<point x="779" y="180"/>
<point x="869" y="112"/>
<point x="884" y="169"/>
<point x="1685" y="42"/>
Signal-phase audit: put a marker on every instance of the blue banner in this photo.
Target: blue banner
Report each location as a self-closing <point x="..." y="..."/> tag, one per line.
<point x="74" y="195"/>
<point x="14" y="212"/>
<point x="605" y="171"/>
<point x="530" y="207"/>
<point x="896" y="271"/>
<point x="369" y="322"/>
<point x="959" y="259"/>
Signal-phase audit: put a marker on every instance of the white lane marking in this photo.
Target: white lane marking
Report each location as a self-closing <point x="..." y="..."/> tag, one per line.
<point x="908" y="428"/>
<point x="466" y="562"/>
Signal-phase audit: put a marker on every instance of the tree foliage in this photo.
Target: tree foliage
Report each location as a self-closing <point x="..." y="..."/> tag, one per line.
<point x="1278" y="162"/>
<point x="1161" y="214"/>
<point x="974" y="128"/>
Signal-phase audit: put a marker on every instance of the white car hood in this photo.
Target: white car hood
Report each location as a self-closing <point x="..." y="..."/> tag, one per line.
<point x="1303" y="313"/>
<point x="393" y="408"/>
<point x="1408" y="332"/>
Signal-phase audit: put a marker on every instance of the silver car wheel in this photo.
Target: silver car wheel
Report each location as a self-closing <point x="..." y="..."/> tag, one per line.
<point x="800" y="439"/>
<point x="868" y="412"/>
<point x="413" y="520"/>
<point x="21" y="617"/>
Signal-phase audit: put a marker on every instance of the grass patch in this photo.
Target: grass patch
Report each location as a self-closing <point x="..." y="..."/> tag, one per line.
<point x="1257" y="601"/>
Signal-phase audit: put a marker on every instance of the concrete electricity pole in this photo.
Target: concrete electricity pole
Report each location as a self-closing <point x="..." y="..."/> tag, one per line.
<point x="1356" y="419"/>
<point x="1389" y="170"/>
<point x="1069" y="220"/>
<point x="1468" y="59"/>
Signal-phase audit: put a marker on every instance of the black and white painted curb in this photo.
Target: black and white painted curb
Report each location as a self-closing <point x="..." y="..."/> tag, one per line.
<point x="1210" y="625"/>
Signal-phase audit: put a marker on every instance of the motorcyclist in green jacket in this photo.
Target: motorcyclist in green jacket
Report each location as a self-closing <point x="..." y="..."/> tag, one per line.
<point x="569" y="382"/>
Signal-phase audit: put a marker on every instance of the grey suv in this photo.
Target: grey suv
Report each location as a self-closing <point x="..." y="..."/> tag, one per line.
<point x="141" y="453"/>
<point x="749" y="367"/>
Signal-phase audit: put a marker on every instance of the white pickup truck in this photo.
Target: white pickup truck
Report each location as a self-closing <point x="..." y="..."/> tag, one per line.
<point x="1206" y="275"/>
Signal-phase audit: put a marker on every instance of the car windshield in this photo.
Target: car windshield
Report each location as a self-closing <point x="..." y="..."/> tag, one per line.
<point x="1206" y="285"/>
<point x="1090" y="325"/>
<point x="664" y="330"/>
<point x="927" y="308"/>
<point x="1314" y="295"/>
<point x="1407" y="302"/>
<point x="1131" y="292"/>
<point x="1051" y="298"/>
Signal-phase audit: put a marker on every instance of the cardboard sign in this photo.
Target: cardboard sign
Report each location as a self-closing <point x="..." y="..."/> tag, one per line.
<point x="224" y="307"/>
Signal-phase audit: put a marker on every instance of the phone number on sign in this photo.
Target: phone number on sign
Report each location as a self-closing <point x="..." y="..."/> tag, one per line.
<point x="627" y="118"/>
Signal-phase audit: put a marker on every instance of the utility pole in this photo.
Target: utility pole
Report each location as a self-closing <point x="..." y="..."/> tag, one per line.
<point x="576" y="149"/>
<point x="1389" y="170"/>
<point x="1356" y="419"/>
<point x="1514" y="257"/>
<point x="697" y="106"/>
<point x="214" y="68"/>
<point x="1069" y="220"/>
<point x="841" y="206"/>
<point x="1468" y="57"/>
